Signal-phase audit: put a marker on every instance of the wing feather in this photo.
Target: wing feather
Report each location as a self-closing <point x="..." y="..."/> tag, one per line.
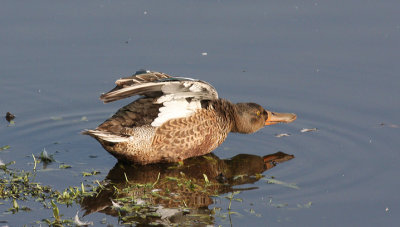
<point x="171" y="88"/>
<point x="181" y="97"/>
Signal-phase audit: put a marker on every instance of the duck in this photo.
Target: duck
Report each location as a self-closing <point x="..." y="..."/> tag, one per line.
<point x="174" y="118"/>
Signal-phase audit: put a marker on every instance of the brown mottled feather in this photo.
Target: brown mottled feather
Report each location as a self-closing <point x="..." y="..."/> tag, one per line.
<point x="175" y="140"/>
<point x="199" y="134"/>
<point x="138" y="113"/>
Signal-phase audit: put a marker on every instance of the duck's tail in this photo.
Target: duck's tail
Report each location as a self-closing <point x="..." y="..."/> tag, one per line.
<point x="106" y="136"/>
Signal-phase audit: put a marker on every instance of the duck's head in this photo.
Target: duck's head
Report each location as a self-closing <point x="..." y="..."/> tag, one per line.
<point x="251" y="117"/>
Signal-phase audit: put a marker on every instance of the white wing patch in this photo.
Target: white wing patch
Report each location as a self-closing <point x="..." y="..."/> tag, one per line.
<point x="176" y="109"/>
<point x="196" y="90"/>
<point x="182" y="99"/>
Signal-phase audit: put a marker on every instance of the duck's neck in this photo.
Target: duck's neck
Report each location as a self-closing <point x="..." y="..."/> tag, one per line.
<point x="235" y="117"/>
<point x="227" y="112"/>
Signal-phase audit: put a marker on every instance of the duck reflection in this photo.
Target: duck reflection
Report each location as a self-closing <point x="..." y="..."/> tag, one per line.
<point x="176" y="193"/>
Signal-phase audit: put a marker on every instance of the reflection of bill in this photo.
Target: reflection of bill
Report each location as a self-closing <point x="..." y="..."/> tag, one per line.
<point x="179" y="193"/>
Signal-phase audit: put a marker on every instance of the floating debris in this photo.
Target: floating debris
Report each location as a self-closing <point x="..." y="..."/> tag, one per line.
<point x="307" y="205"/>
<point x="389" y="125"/>
<point x="56" y="118"/>
<point x="308" y="130"/>
<point x="84" y="118"/>
<point x="166" y="212"/>
<point x="204" y="54"/>
<point x="115" y="205"/>
<point x="94" y="172"/>
<point x="240" y="176"/>
<point x="9" y="116"/>
<point x="65" y="166"/>
<point x="81" y="223"/>
<point x="274" y="181"/>
<point x="282" y="135"/>
<point x="278" y="205"/>
<point x="45" y="157"/>
<point x="5" y="147"/>
<point x="12" y="123"/>
<point x="140" y="202"/>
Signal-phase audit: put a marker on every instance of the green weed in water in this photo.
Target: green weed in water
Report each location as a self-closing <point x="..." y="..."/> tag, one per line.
<point x="5" y="147"/>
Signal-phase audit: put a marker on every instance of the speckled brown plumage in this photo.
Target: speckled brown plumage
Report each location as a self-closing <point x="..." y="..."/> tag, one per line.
<point x="199" y="134"/>
<point x="175" y="140"/>
<point x="138" y="113"/>
<point x="177" y="118"/>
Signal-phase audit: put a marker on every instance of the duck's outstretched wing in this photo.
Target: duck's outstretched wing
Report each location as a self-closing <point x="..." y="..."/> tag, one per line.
<point x="180" y="97"/>
<point x="156" y="84"/>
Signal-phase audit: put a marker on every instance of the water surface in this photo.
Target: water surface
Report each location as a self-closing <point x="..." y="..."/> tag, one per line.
<point x="335" y="64"/>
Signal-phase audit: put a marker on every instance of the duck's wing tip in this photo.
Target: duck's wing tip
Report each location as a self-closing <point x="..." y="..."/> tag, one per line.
<point x="146" y="83"/>
<point x="143" y="82"/>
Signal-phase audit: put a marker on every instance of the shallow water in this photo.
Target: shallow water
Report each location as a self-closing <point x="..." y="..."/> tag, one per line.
<point x="334" y="64"/>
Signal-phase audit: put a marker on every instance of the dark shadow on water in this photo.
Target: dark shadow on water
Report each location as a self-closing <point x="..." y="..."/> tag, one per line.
<point x="176" y="193"/>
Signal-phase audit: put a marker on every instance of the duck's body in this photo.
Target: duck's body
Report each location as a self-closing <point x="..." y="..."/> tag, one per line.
<point x="177" y="118"/>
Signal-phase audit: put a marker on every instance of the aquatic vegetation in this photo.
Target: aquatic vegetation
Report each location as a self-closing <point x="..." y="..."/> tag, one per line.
<point x="231" y="198"/>
<point x="159" y="194"/>
<point x="63" y="166"/>
<point x="92" y="173"/>
<point x="177" y="193"/>
<point x="4" y="147"/>
<point x="20" y="185"/>
<point x="45" y="157"/>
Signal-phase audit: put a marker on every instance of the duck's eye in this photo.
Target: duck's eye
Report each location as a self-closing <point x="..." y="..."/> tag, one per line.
<point x="258" y="113"/>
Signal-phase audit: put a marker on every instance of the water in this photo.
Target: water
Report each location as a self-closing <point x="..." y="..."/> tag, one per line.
<point x="335" y="64"/>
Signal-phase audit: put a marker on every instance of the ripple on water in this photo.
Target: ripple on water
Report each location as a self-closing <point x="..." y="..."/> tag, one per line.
<point x="59" y="133"/>
<point x="329" y="163"/>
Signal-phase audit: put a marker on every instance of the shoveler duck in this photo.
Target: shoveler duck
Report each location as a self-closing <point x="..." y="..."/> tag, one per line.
<point x="176" y="118"/>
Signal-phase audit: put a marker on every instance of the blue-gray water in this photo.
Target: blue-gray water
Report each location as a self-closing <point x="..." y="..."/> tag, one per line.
<point x="334" y="63"/>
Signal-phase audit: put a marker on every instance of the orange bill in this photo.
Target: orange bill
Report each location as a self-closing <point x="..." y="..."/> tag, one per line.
<point x="274" y="118"/>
